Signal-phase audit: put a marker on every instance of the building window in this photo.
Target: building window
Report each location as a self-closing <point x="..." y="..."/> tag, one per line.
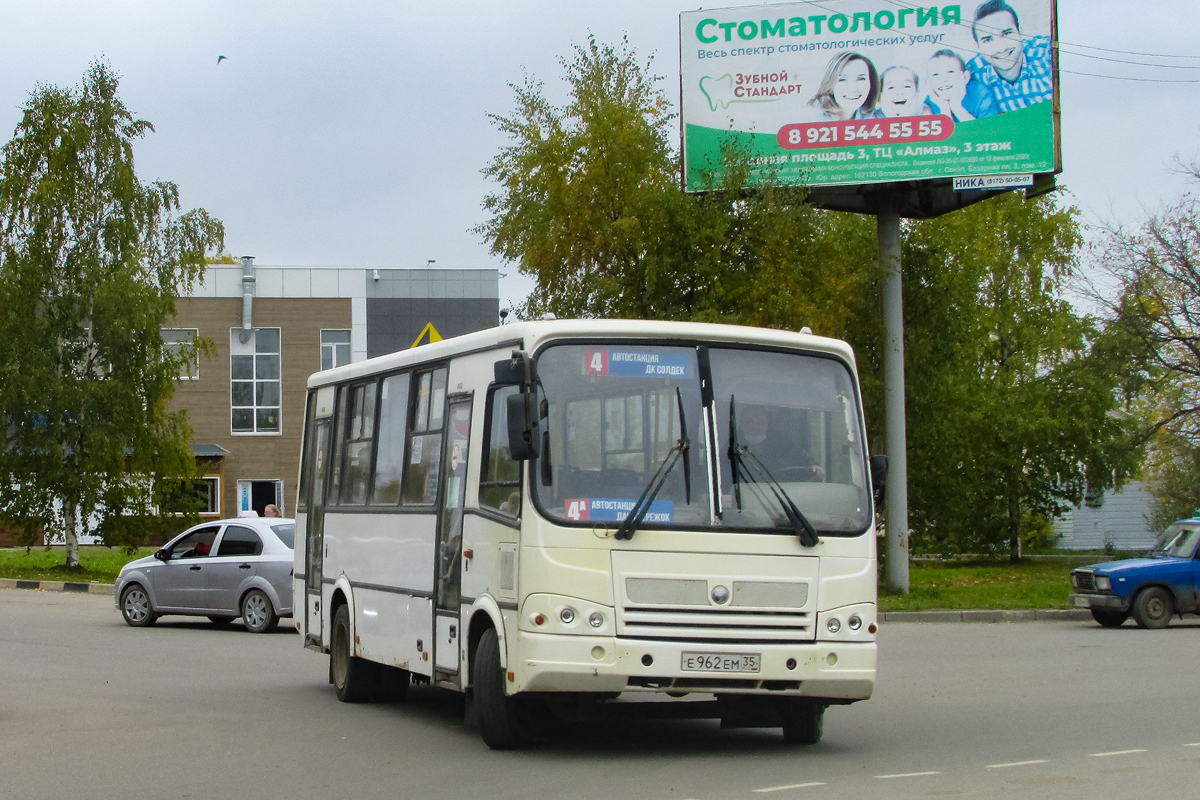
<point x="203" y="497"/>
<point x="174" y="340"/>
<point x="335" y="349"/>
<point x="254" y="389"/>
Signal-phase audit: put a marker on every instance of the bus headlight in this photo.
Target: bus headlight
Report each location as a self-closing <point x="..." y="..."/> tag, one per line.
<point x="596" y="619"/>
<point x="855" y="622"/>
<point x="833" y="624"/>
<point x="567" y="615"/>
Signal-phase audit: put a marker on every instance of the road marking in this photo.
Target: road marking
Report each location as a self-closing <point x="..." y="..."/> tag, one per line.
<point x="791" y="786"/>
<point x="1193" y="744"/>
<point x="1018" y="764"/>
<point x="907" y="775"/>
<point x="1116" y="753"/>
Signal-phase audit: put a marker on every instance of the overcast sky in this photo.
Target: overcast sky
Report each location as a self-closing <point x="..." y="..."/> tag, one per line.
<point x="353" y="133"/>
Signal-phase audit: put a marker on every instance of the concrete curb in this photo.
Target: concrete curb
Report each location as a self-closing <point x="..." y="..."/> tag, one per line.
<point x="58" y="586"/>
<point x="1024" y="615"/>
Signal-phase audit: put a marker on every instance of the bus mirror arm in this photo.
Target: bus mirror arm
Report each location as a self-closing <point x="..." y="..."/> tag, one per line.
<point x="516" y="371"/>
<point x="879" y="471"/>
<point x="544" y="463"/>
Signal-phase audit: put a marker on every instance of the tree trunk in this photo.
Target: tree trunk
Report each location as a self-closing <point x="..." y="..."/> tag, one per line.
<point x="71" y="517"/>
<point x="1014" y="529"/>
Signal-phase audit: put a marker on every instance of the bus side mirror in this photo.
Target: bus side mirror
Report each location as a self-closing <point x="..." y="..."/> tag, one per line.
<point x="524" y="442"/>
<point x="879" y="471"/>
<point x="516" y="371"/>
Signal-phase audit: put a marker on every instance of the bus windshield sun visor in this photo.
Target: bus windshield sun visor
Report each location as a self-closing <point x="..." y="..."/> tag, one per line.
<point x="744" y="466"/>
<point x="678" y="450"/>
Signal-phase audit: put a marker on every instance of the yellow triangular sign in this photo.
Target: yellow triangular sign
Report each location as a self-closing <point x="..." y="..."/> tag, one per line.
<point x="434" y="336"/>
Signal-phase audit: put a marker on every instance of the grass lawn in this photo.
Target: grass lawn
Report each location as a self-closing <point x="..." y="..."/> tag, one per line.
<point x="96" y="563"/>
<point x="986" y="584"/>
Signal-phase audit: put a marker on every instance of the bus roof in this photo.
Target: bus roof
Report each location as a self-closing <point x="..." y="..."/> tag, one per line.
<point x="533" y="334"/>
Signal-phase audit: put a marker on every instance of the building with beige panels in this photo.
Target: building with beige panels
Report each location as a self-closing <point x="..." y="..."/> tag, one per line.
<point x="273" y="326"/>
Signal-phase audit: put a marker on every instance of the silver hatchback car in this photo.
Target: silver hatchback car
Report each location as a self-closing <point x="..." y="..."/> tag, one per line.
<point x="220" y="570"/>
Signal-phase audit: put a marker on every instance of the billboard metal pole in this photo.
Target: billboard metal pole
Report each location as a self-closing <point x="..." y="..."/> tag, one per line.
<point x="888" y="229"/>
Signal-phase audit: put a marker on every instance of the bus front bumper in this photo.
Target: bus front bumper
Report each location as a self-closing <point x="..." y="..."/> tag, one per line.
<point x="840" y="671"/>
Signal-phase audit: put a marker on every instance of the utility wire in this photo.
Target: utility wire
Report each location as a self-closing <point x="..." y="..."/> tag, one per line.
<point x="1121" y="78"/>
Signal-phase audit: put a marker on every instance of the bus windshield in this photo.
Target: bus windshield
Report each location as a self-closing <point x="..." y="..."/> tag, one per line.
<point x="614" y="415"/>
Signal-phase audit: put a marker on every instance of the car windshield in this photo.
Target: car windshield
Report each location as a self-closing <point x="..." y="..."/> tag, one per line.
<point x="286" y="534"/>
<point x="614" y="412"/>
<point x="1179" y="541"/>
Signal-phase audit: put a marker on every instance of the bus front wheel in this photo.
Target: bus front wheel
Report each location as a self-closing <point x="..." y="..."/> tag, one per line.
<point x="499" y="723"/>
<point x="803" y="720"/>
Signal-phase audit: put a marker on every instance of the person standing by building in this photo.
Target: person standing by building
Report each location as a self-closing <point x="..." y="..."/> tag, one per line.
<point x="1016" y="72"/>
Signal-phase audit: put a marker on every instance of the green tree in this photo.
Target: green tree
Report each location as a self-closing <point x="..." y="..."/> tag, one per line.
<point x="589" y="204"/>
<point x="1011" y="393"/>
<point x="91" y="261"/>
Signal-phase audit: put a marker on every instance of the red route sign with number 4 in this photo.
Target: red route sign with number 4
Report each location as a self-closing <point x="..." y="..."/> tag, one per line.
<point x="863" y="132"/>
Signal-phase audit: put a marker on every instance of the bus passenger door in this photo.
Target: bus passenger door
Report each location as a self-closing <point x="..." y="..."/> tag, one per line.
<point x="314" y="537"/>
<point x="450" y="525"/>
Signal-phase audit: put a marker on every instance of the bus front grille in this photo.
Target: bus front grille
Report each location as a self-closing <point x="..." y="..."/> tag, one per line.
<point x="723" y="625"/>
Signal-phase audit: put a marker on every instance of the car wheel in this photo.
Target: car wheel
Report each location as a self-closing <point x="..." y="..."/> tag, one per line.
<point x="219" y="620"/>
<point x="1152" y="608"/>
<point x="135" y="607"/>
<point x="258" y="614"/>
<point x="499" y="719"/>
<point x="803" y="720"/>
<point x="1110" y="619"/>
<point x="354" y="679"/>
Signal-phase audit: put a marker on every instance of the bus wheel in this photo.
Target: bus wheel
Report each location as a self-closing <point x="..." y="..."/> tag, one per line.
<point x="354" y="679"/>
<point x="803" y="720"/>
<point x="498" y="714"/>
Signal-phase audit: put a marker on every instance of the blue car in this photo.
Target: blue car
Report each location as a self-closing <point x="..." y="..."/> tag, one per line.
<point x="1150" y="589"/>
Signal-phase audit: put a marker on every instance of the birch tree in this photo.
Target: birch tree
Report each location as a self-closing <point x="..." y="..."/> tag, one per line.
<point x="91" y="261"/>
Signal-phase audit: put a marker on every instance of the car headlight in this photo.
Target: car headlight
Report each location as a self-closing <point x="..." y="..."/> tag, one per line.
<point x="1074" y="581"/>
<point x="1104" y="583"/>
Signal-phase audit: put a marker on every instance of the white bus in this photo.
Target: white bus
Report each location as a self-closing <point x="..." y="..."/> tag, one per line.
<point x="572" y="517"/>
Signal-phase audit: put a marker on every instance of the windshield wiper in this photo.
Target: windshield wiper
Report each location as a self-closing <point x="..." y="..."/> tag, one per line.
<point x="744" y="464"/>
<point x="677" y="451"/>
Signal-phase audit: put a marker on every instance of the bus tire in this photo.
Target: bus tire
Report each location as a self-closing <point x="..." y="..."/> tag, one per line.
<point x="803" y="720"/>
<point x="499" y="724"/>
<point x="354" y="679"/>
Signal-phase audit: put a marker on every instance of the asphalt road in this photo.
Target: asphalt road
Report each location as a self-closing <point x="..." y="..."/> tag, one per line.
<point x="92" y="708"/>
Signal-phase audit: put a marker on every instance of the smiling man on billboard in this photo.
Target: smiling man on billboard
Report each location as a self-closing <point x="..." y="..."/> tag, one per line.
<point x="1015" y="71"/>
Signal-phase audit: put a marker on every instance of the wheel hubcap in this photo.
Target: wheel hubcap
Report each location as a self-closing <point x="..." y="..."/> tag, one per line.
<point x="1156" y="608"/>
<point x="256" y="612"/>
<point x="137" y="606"/>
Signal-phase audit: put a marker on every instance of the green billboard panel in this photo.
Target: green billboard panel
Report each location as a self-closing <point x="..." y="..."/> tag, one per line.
<point x="846" y="92"/>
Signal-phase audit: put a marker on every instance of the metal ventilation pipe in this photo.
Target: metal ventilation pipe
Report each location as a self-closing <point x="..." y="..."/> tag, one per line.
<point x="248" y="282"/>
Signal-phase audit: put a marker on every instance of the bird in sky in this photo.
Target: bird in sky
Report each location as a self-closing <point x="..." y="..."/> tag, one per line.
<point x="221" y="58"/>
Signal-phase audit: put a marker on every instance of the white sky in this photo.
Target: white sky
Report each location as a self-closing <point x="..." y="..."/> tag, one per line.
<point x="353" y="132"/>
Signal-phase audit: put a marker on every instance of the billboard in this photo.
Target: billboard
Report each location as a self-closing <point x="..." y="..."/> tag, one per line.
<point x="846" y="92"/>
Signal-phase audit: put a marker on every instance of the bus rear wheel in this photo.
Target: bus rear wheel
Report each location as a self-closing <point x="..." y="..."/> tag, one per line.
<point x="499" y="721"/>
<point x="354" y="679"/>
<point x="803" y="720"/>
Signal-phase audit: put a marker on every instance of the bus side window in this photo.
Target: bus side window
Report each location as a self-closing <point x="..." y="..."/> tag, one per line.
<point x="389" y="458"/>
<point x="339" y="436"/>
<point x="357" y="452"/>
<point x="500" y="481"/>
<point x="425" y="439"/>
<point x="307" y="450"/>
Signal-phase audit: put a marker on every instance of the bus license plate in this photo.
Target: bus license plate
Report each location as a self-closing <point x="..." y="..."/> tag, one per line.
<point x="720" y="662"/>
